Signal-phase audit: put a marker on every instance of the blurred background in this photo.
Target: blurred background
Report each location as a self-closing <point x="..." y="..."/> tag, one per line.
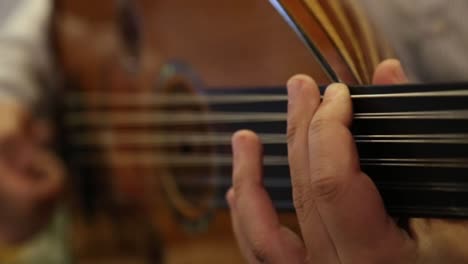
<point x="56" y="55"/>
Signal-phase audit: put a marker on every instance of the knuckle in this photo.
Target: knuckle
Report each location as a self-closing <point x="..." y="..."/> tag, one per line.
<point x="260" y="251"/>
<point x="298" y="200"/>
<point x="291" y="131"/>
<point x="239" y="179"/>
<point x="297" y="172"/>
<point x="238" y="187"/>
<point x="325" y="187"/>
<point x="317" y="126"/>
<point x="303" y="203"/>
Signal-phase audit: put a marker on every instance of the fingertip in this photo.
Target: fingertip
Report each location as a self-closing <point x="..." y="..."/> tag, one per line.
<point x="244" y="137"/>
<point x="243" y="133"/>
<point x="389" y="71"/>
<point x="230" y="195"/>
<point x="336" y="90"/>
<point x="246" y="148"/>
<point x="299" y="79"/>
<point x="392" y="62"/>
<point x="336" y="105"/>
<point x="298" y="83"/>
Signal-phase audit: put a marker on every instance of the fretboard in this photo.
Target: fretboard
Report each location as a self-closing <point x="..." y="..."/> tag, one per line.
<point x="412" y="141"/>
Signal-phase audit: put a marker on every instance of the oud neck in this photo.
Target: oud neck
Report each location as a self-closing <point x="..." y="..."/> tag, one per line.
<point x="412" y="141"/>
<point x="263" y="106"/>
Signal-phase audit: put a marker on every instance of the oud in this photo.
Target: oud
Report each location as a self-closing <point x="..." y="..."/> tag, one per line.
<point x="147" y="139"/>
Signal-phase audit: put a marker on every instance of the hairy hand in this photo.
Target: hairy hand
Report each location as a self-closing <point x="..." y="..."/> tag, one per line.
<point x="340" y="212"/>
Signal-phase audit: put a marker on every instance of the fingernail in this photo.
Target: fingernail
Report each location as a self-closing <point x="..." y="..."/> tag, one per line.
<point x="294" y="84"/>
<point x="237" y="138"/>
<point x="334" y="90"/>
<point x="237" y="141"/>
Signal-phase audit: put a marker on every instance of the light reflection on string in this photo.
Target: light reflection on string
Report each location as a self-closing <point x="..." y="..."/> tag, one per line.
<point x="151" y="99"/>
<point x="148" y="117"/>
<point x="99" y="138"/>
<point x="206" y="159"/>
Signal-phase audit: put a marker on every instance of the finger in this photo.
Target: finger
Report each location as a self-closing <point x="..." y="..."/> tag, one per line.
<point x="16" y="186"/>
<point x="291" y="240"/>
<point x="48" y="176"/>
<point x="257" y="219"/>
<point x="240" y="237"/>
<point x="36" y="187"/>
<point x="347" y="200"/>
<point x="13" y="192"/>
<point x="16" y="142"/>
<point x="389" y="72"/>
<point x="303" y="101"/>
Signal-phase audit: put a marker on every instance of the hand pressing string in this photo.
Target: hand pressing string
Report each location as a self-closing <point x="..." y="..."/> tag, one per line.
<point x="340" y="212"/>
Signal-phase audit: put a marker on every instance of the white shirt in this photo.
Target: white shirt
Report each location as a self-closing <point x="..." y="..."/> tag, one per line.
<point x="25" y="59"/>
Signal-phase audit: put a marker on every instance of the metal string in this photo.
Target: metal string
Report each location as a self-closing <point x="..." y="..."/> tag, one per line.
<point x="79" y="117"/>
<point x="224" y="181"/>
<point x="154" y="117"/>
<point x="148" y="158"/>
<point x="152" y="99"/>
<point x="109" y="138"/>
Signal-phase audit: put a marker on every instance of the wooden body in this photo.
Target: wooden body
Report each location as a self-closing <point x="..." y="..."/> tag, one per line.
<point x="228" y="43"/>
<point x="122" y="214"/>
<point x="110" y="46"/>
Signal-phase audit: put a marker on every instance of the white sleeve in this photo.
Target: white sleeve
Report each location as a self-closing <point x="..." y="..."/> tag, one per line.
<point x="25" y="59"/>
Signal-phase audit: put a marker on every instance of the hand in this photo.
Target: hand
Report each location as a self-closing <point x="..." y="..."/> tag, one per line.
<point x="31" y="178"/>
<point x="340" y="212"/>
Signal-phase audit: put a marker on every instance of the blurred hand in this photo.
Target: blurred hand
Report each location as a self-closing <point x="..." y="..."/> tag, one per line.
<point x="31" y="178"/>
<point x="339" y="210"/>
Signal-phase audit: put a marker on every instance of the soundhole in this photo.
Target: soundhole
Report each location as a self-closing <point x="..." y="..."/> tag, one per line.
<point x="130" y="32"/>
<point x="189" y="182"/>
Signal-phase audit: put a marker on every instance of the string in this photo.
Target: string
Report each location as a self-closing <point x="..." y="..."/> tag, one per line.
<point x="128" y="100"/>
<point x="152" y="99"/>
<point x="206" y="178"/>
<point x="208" y="162"/>
<point x="225" y="181"/>
<point x="284" y="204"/>
<point x="279" y="204"/>
<point x="154" y="117"/>
<point x="168" y="139"/>
<point x="288" y="205"/>
<point x="204" y="159"/>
